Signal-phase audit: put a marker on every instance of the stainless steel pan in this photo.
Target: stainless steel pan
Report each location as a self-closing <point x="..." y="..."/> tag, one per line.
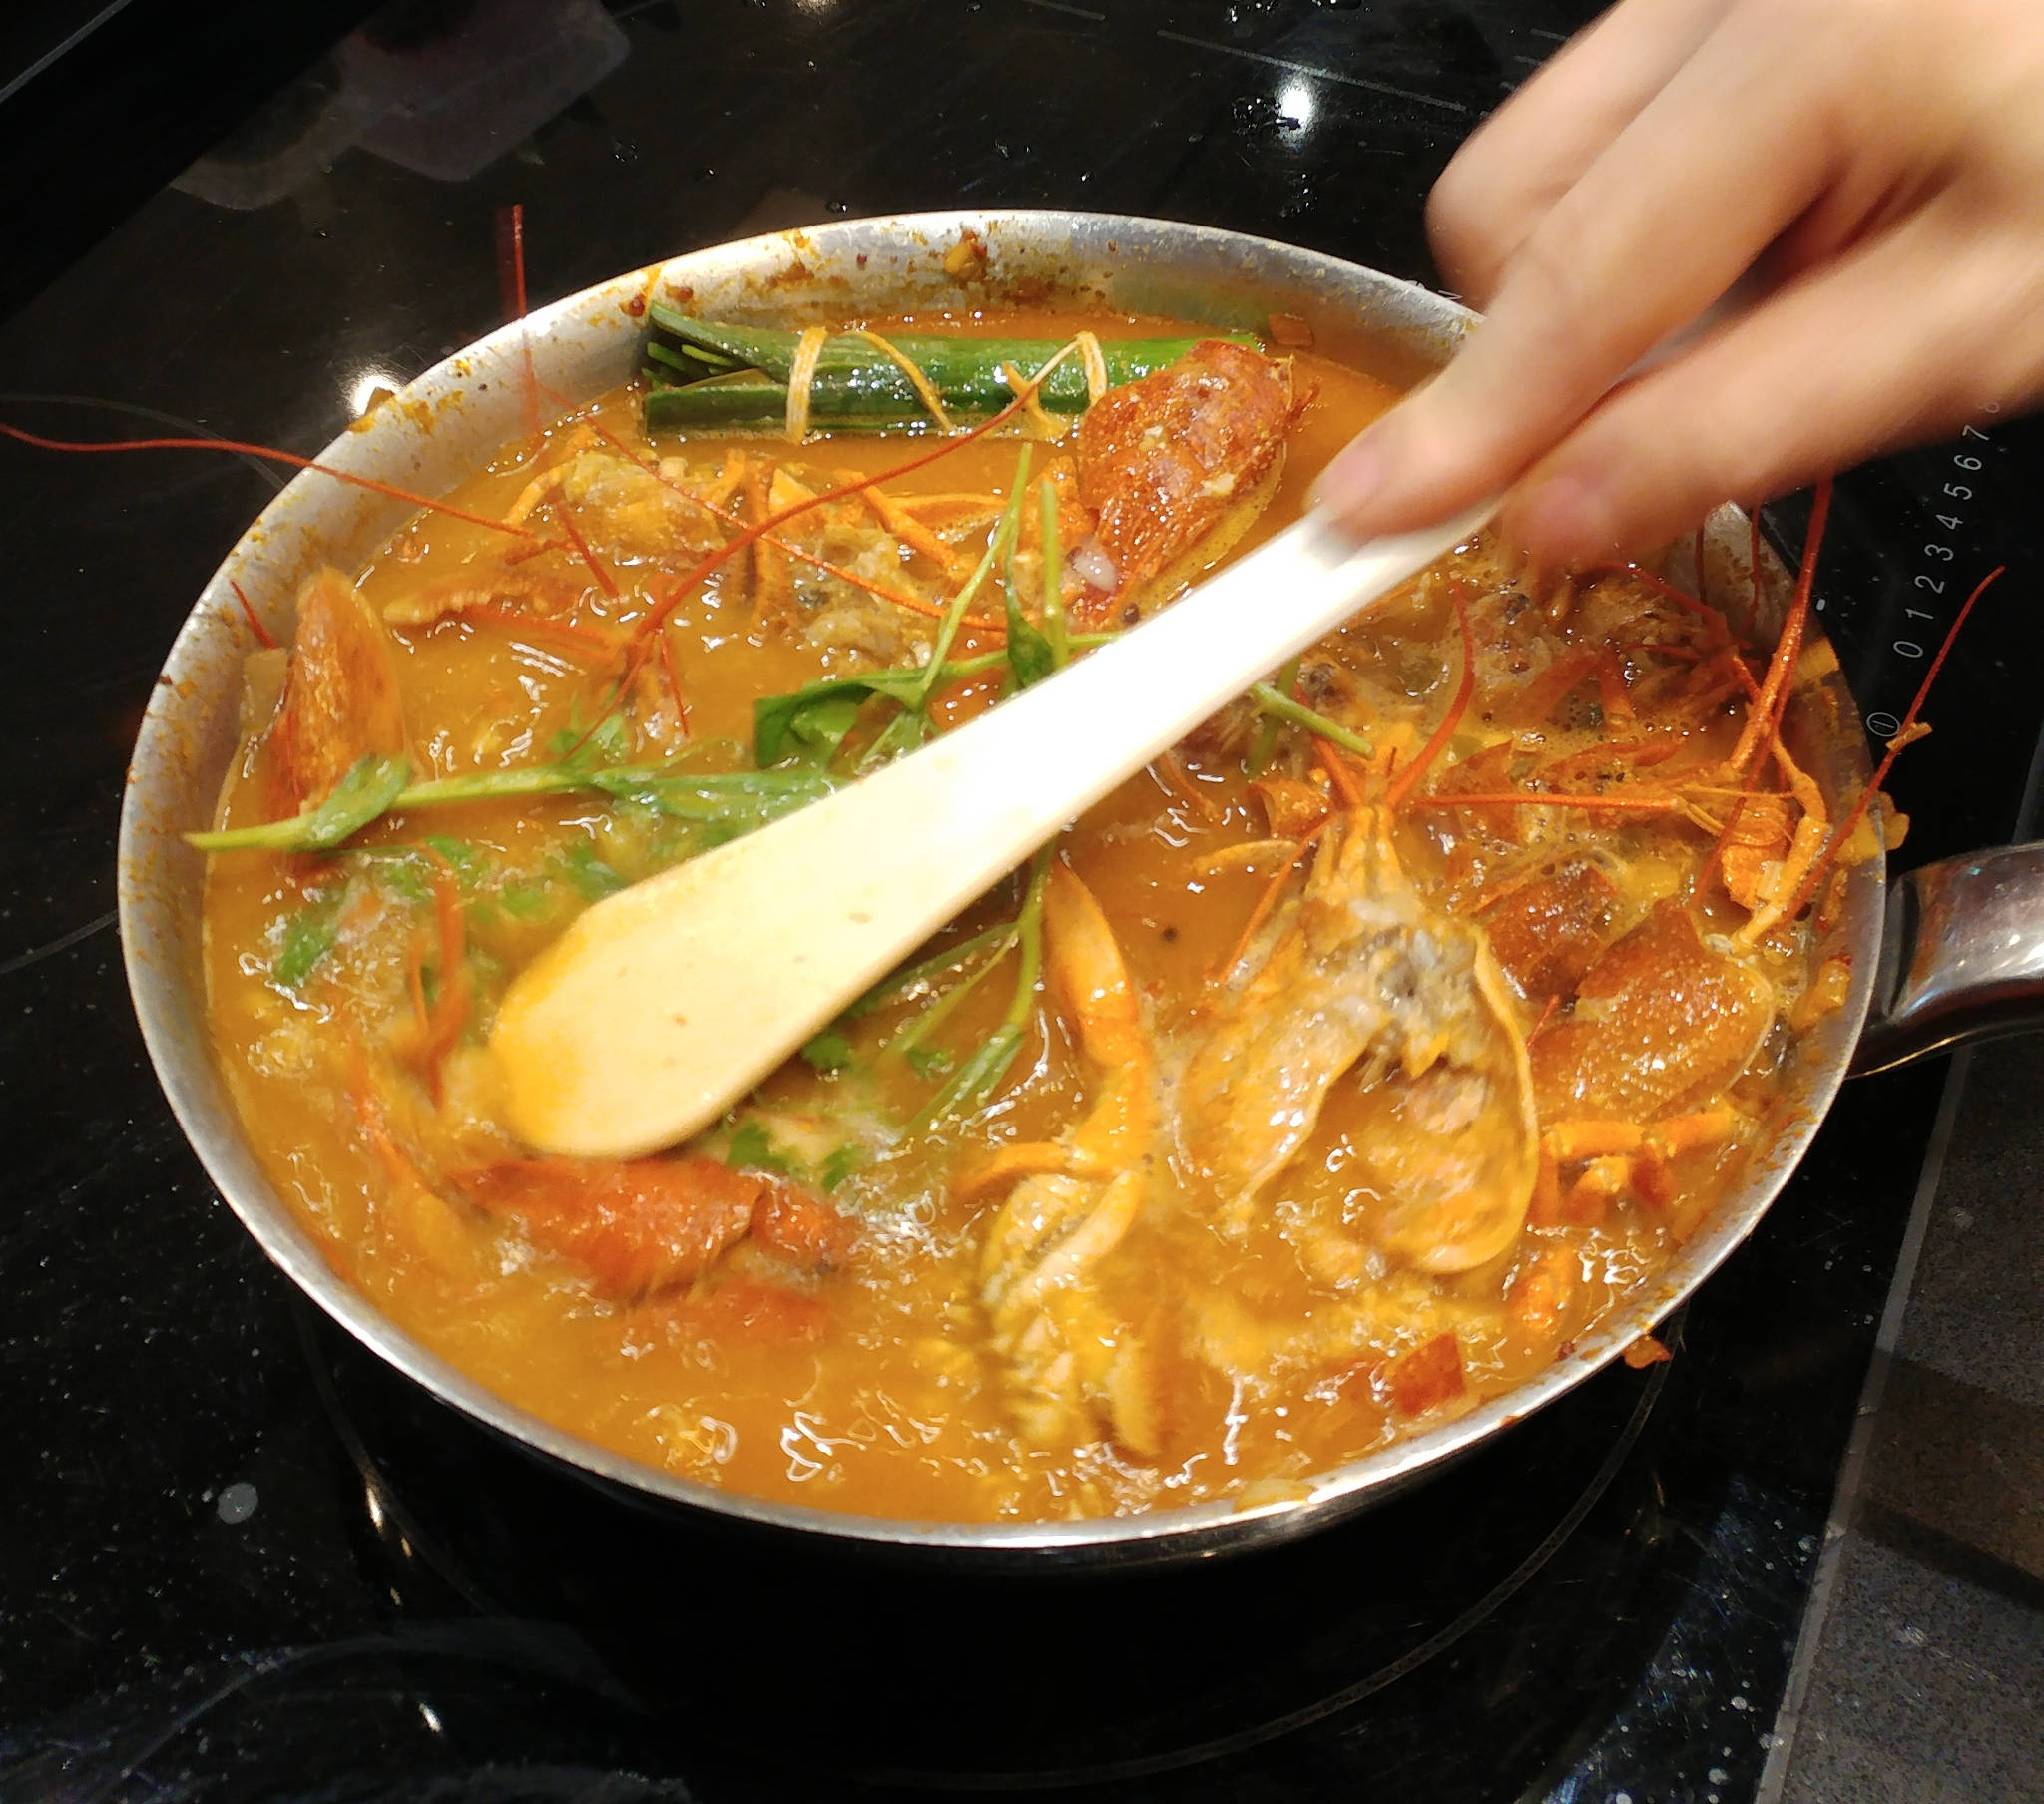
<point x="1954" y="952"/>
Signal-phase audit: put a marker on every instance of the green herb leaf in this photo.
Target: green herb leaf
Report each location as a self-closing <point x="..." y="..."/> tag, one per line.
<point x="805" y="726"/>
<point x="752" y="1150"/>
<point x="593" y="879"/>
<point x="1029" y="941"/>
<point x="1031" y="657"/>
<point x="366" y="792"/>
<point x="785" y="726"/>
<point x="817" y="717"/>
<point x="839" y="1166"/>
<point x="828" y="1051"/>
<point x="580" y="748"/>
<point x="909" y="731"/>
<point x="403" y="873"/>
<point x="934" y="1014"/>
<point x="821" y="728"/>
<point x="309" y="936"/>
<point x="605" y="743"/>
<point x="319" y="828"/>
<point x="897" y="985"/>
<point x="736" y="802"/>
<point x="525" y="901"/>
<point x="927" y="1060"/>
<point x="470" y="866"/>
<point x="996" y="556"/>
<point x="359" y="798"/>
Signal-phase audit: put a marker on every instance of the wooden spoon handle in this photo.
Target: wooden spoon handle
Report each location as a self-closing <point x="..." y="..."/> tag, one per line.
<point x="663" y="1003"/>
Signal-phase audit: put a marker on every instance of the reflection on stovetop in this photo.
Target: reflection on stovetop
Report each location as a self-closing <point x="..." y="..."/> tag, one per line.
<point x="903" y="1667"/>
<point x="239" y="1562"/>
<point x="1604" y="1601"/>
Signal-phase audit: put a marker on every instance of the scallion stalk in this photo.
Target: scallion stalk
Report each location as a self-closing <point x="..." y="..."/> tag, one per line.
<point x="1271" y="702"/>
<point x="711" y="375"/>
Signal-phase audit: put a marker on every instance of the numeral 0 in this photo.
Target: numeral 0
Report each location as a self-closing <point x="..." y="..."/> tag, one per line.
<point x="1908" y="648"/>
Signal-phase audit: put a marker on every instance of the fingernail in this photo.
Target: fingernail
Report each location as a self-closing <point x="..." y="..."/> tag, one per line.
<point x="1348" y="485"/>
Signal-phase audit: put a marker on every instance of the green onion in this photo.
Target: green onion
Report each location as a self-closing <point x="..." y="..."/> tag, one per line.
<point x="977" y="1077"/>
<point x="1031" y="655"/>
<point x="1054" y="627"/>
<point x="898" y="987"/>
<point x="911" y="1036"/>
<point x="370" y="787"/>
<point x="961" y="603"/>
<point x="1282" y="707"/>
<point x="1267" y="734"/>
<point x="745" y="373"/>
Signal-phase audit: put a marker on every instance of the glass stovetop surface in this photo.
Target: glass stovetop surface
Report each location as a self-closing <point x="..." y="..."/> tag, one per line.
<point x="238" y="1560"/>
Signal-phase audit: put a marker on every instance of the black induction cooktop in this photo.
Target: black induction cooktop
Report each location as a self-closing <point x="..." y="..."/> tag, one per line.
<point x="240" y="1560"/>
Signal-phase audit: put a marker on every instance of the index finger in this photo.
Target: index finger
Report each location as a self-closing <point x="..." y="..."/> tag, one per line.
<point x="1658" y="226"/>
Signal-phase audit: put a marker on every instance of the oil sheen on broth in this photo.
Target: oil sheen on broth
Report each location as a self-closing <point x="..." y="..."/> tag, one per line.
<point x="1339" y="1106"/>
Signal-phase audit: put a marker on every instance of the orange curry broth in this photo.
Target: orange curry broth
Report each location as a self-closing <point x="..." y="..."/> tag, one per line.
<point x="870" y="1389"/>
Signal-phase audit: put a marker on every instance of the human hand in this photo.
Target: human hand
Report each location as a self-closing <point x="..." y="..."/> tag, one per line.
<point x="1860" y="181"/>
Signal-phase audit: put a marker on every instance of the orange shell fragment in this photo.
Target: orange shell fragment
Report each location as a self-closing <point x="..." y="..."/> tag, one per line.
<point x="1428" y="1375"/>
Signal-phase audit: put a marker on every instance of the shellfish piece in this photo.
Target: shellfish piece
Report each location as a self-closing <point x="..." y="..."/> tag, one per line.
<point x="638" y="1226"/>
<point x="1176" y="468"/>
<point x="1074" y="1367"/>
<point x="341" y="701"/>
<point x="1365" y="973"/>
<point x="1660" y="1021"/>
<point x="1547" y="933"/>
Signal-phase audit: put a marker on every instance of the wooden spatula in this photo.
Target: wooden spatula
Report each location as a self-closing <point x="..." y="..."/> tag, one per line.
<point x="664" y="1003"/>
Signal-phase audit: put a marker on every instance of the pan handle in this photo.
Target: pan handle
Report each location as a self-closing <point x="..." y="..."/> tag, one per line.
<point x="1961" y="957"/>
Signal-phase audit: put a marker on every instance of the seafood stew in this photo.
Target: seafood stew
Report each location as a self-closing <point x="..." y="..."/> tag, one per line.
<point x="1332" y="1075"/>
